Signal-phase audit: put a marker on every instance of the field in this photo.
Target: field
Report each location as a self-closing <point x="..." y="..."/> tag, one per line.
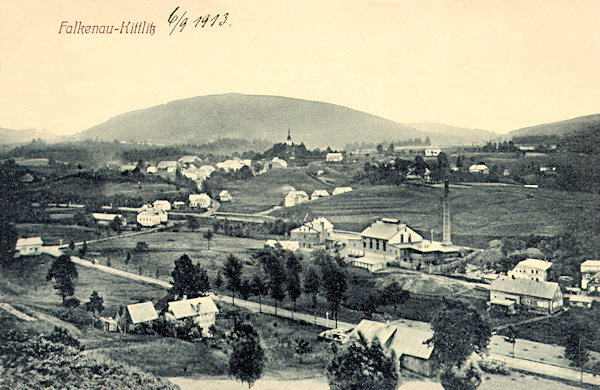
<point x="51" y="234"/>
<point x="147" y="191"/>
<point x="478" y="212"/>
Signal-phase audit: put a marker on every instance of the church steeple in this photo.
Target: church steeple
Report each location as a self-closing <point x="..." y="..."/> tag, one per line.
<point x="289" y="139"/>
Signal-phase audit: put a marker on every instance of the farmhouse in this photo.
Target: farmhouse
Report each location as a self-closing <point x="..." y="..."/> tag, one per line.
<point x="203" y="311"/>
<point x="151" y="169"/>
<point x="136" y="315"/>
<point x="290" y="245"/>
<point x="164" y="205"/>
<point x="294" y="198"/>
<point x="334" y="157"/>
<point x="533" y="269"/>
<point x="383" y="236"/>
<point x="432" y="152"/>
<point x="588" y="268"/>
<point x="276" y="163"/>
<point x="151" y="216"/>
<point x="312" y="234"/>
<point x="104" y="219"/>
<point x="169" y="166"/>
<point x="341" y="190"/>
<point x="512" y="293"/>
<point x="407" y="339"/>
<point x="581" y="301"/>
<point x="479" y="168"/>
<point x="28" y="246"/>
<point x="232" y="165"/>
<point x="199" y="200"/>
<point x="186" y="161"/>
<point x="225" y="196"/>
<point x="318" y="194"/>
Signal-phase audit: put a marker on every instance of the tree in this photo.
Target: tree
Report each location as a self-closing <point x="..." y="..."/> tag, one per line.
<point x="209" y="236"/>
<point x="192" y="223"/>
<point x="293" y="284"/>
<point x="259" y="288"/>
<point x="394" y="295"/>
<point x="247" y="359"/>
<point x="188" y="279"/>
<point x="302" y="348"/>
<point x="312" y="284"/>
<point x="333" y="278"/>
<point x="468" y="377"/>
<point x="442" y="161"/>
<point x="83" y="250"/>
<point x="511" y="337"/>
<point x="95" y="304"/>
<point x="380" y="148"/>
<point x="458" y="331"/>
<point x="116" y="225"/>
<point x="63" y="271"/>
<point x="271" y="260"/>
<point x="233" y="273"/>
<point x="577" y="345"/>
<point x="420" y="165"/>
<point x="8" y="240"/>
<point x="362" y="366"/>
<point x="71" y="246"/>
<point x="141" y="246"/>
<point x="218" y="280"/>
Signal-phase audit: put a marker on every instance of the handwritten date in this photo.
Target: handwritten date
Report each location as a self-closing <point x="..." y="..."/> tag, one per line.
<point x="179" y="20"/>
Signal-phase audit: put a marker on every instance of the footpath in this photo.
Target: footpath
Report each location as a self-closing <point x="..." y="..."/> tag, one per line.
<point x="499" y="349"/>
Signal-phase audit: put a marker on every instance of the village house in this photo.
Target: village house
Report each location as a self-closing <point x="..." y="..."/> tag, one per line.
<point x="581" y="301"/>
<point x="233" y="165"/>
<point x="288" y="245"/>
<point x="334" y="157"/>
<point x="432" y="152"/>
<point x="149" y="216"/>
<point x="533" y="269"/>
<point x="276" y="163"/>
<point x="545" y="297"/>
<point x="199" y="200"/>
<point x="319" y="194"/>
<point x="178" y="204"/>
<point x="187" y="161"/>
<point x="341" y="190"/>
<point x="33" y="162"/>
<point x="151" y="169"/>
<point x="163" y="205"/>
<point x="479" y="169"/>
<point x="225" y="196"/>
<point x="136" y="315"/>
<point x="28" y="246"/>
<point x="169" y="166"/>
<point x="589" y="269"/>
<point x="104" y="219"/>
<point x="312" y="234"/>
<point x="294" y="198"/>
<point x="407" y="339"/>
<point x="202" y="310"/>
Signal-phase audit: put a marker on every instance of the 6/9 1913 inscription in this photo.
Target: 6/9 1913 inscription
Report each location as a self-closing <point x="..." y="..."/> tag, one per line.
<point x="180" y="20"/>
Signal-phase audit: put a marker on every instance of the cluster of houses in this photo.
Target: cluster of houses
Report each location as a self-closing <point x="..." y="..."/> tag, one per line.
<point x="202" y="310"/>
<point x="295" y="197"/>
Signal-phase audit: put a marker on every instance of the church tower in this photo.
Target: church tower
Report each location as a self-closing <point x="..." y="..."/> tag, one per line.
<point x="288" y="141"/>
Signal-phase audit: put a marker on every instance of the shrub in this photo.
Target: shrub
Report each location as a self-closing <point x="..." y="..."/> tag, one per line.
<point x="76" y="315"/>
<point x="494" y="366"/>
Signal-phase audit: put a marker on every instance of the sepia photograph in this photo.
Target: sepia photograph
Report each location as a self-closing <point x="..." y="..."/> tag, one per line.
<point x="337" y="194"/>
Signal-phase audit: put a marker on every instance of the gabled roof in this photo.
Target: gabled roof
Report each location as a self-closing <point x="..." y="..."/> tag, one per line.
<point x="192" y="307"/>
<point x="535" y="263"/>
<point x="402" y="337"/>
<point x="29" y="241"/>
<point x="316" y="224"/>
<point x="167" y="164"/>
<point x="319" y="193"/>
<point x="383" y="229"/>
<point x="590" y="264"/>
<point x="142" y="312"/>
<point x="527" y="287"/>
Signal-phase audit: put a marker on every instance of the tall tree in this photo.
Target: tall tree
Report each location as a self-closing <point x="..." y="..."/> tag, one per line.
<point x="192" y="223"/>
<point x="334" y="282"/>
<point x="577" y="345"/>
<point x="95" y="304"/>
<point x="259" y="288"/>
<point x="8" y="240"/>
<point x="469" y="377"/>
<point x="63" y="271"/>
<point x="247" y="359"/>
<point x="188" y="279"/>
<point x="458" y="331"/>
<point x="272" y="263"/>
<point x="293" y="284"/>
<point x="362" y="366"/>
<point x="116" y="225"/>
<point x="208" y="235"/>
<point x="511" y="337"/>
<point x="233" y="274"/>
<point x="394" y="295"/>
<point x="312" y="285"/>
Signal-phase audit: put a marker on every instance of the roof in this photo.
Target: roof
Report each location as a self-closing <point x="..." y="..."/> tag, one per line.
<point x="384" y="229"/>
<point x="287" y="245"/>
<point x="316" y="224"/>
<point x="402" y="337"/>
<point x="192" y="307"/>
<point x="29" y="241"/>
<point x="370" y="260"/>
<point x="296" y="193"/>
<point x="167" y="164"/>
<point x="320" y="193"/>
<point x="105" y="216"/>
<point x="581" y="298"/>
<point x="535" y="263"/>
<point x="142" y="312"/>
<point x="590" y="264"/>
<point x="527" y="287"/>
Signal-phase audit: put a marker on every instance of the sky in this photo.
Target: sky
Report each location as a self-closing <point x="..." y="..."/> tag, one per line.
<point x="494" y="65"/>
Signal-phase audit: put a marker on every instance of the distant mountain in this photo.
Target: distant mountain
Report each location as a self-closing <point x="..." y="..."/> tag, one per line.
<point x="441" y="134"/>
<point x="10" y="136"/>
<point x="569" y="126"/>
<point x="206" y="118"/>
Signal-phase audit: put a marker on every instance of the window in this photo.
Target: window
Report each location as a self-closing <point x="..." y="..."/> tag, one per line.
<point x="377" y="245"/>
<point x="371" y="243"/>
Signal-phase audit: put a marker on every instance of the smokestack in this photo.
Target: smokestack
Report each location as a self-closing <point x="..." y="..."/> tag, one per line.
<point x="446" y="232"/>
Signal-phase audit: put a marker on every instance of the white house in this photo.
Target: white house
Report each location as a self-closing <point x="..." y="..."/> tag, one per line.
<point x="288" y="245"/>
<point x="135" y="315"/>
<point x="169" y="166"/>
<point x="231" y="165"/>
<point x="341" y="190"/>
<point x="149" y="217"/>
<point x="294" y="198"/>
<point x="164" y="205"/>
<point x="189" y="160"/>
<point x="533" y="269"/>
<point x="432" y="152"/>
<point x="225" y="196"/>
<point x="199" y="200"/>
<point x="105" y="219"/>
<point x="28" y="246"/>
<point x="479" y="168"/>
<point x="334" y="157"/>
<point x="312" y="234"/>
<point x="318" y="194"/>
<point x="276" y="162"/>
<point x="151" y="169"/>
<point x="203" y="310"/>
<point x="588" y="269"/>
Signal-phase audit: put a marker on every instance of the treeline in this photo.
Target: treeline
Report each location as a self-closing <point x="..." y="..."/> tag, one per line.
<point x="417" y="141"/>
<point x="278" y="227"/>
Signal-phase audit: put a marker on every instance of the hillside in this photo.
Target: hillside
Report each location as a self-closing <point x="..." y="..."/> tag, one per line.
<point x="206" y="118"/>
<point x="441" y="134"/>
<point x="10" y="136"/>
<point x="579" y="124"/>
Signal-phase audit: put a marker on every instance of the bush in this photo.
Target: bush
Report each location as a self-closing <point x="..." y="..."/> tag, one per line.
<point x="76" y="316"/>
<point x="494" y="366"/>
<point x="71" y="302"/>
